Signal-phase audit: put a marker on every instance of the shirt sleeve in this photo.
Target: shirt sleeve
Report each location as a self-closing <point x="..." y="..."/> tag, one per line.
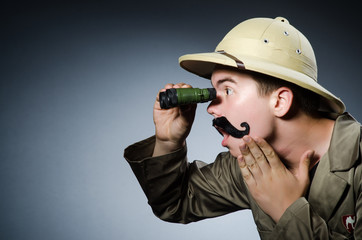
<point x="179" y="191"/>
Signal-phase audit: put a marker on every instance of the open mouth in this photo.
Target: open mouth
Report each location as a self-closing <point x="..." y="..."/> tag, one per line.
<point x="224" y="134"/>
<point x="220" y="130"/>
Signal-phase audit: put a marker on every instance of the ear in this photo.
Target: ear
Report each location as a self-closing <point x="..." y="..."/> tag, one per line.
<point x="281" y="101"/>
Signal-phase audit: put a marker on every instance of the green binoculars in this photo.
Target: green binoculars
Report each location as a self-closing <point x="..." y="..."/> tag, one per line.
<point x="175" y="97"/>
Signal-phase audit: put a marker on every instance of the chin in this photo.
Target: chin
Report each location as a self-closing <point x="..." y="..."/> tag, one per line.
<point x="234" y="147"/>
<point x="234" y="153"/>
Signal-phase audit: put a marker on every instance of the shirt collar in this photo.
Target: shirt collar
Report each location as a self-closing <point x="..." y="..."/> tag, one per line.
<point x="344" y="146"/>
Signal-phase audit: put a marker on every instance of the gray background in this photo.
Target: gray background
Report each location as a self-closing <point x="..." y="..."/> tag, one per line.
<point x="78" y="82"/>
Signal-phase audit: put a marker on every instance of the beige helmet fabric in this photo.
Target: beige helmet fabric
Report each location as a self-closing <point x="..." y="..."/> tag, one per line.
<point x="269" y="46"/>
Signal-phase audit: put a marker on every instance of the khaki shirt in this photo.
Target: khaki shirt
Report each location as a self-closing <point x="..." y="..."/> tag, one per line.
<point x="184" y="192"/>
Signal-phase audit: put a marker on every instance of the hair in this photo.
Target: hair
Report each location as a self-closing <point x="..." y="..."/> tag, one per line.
<point x="304" y="99"/>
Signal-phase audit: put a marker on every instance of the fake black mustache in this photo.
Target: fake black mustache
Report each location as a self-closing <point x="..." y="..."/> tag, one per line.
<point x="223" y="123"/>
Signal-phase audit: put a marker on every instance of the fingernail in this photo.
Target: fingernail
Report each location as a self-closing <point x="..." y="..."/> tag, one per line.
<point x="242" y="147"/>
<point x="247" y="139"/>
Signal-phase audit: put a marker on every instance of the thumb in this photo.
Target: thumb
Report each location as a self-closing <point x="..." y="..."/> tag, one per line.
<point x="303" y="173"/>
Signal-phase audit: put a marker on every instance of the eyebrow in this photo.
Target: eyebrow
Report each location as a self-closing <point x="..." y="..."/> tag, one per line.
<point x="221" y="81"/>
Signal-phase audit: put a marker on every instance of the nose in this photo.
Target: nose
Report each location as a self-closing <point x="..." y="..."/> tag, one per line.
<point x="214" y="107"/>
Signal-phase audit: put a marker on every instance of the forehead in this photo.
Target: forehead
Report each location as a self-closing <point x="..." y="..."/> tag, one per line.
<point x="229" y="75"/>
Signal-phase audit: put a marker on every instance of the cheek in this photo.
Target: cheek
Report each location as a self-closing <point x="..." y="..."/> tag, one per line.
<point x="256" y="113"/>
<point x="244" y="110"/>
<point x="261" y="120"/>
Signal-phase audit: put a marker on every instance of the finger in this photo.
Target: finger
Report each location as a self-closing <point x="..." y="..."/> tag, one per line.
<point x="269" y="154"/>
<point x="168" y="86"/>
<point x="182" y="85"/>
<point x="250" y="161"/>
<point x="257" y="153"/>
<point x="247" y="175"/>
<point x="171" y="85"/>
<point x="304" y="164"/>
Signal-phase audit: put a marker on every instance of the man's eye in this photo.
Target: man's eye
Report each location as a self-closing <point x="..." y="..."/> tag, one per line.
<point x="229" y="91"/>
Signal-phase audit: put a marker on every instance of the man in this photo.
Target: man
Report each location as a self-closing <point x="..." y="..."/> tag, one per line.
<point x="299" y="167"/>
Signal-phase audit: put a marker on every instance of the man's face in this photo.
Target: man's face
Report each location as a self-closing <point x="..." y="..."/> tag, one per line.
<point x="238" y="100"/>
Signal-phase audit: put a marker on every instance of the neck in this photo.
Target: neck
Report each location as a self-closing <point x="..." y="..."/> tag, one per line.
<point x="300" y="135"/>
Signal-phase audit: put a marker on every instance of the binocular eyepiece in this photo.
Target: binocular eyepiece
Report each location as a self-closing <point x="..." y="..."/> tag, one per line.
<point x="175" y="97"/>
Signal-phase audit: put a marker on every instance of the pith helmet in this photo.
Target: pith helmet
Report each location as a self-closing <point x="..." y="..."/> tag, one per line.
<point x="269" y="46"/>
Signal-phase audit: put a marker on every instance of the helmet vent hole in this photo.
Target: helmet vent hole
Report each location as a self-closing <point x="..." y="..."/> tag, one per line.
<point x="286" y="33"/>
<point x="266" y="40"/>
<point x="298" y="51"/>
